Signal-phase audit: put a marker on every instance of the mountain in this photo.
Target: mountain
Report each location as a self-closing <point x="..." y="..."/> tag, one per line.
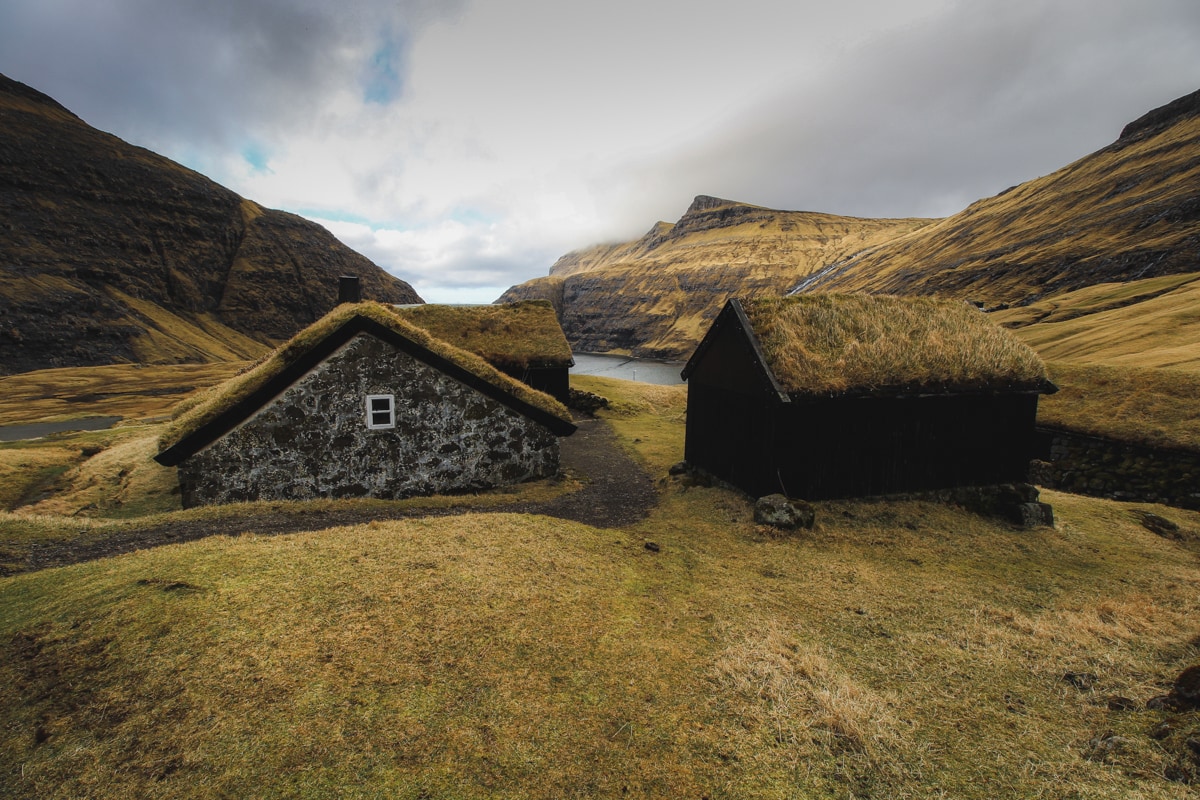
<point x="112" y="253"/>
<point x="1126" y="212"/>
<point x="1086" y="244"/>
<point x="655" y="297"/>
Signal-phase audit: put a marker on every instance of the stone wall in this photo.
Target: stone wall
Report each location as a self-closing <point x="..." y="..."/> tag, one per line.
<point x="1117" y="470"/>
<point x="312" y="440"/>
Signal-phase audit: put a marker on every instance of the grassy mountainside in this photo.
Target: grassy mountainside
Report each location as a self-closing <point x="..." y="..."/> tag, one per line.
<point x="897" y="650"/>
<point x="1127" y="214"/>
<point x="1129" y="211"/>
<point x="112" y="253"/>
<point x="655" y="297"/>
<point x="1154" y="322"/>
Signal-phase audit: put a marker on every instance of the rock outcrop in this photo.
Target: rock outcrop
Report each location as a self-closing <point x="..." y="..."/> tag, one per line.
<point x="110" y="253"/>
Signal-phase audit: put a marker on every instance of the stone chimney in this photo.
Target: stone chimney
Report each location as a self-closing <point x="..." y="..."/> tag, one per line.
<point x="349" y="289"/>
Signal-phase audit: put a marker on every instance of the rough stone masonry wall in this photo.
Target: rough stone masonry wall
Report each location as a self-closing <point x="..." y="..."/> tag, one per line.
<point x="1106" y="468"/>
<point x="312" y="440"/>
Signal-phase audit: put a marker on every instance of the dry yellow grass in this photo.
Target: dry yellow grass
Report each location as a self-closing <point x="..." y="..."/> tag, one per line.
<point x="827" y="344"/>
<point x="121" y="479"/>
<point x="1119" y="203"/>
<point x="650" y="285"/>
<point x="26" y="472"/>
<point x="1151" y="323"/>
<point x="904" y="650"/>
<point x="1155" y="407"/>
<point x="648" y="418"/>
<point x="511" y="335"/>
<point x="133" y="391"/>
<point x="518" y="656"/>
<point x="108" y="473"/>
<point x="168" y="338"/>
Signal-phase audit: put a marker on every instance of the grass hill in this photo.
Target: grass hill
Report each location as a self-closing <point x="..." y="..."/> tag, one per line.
<point x="1098" y="252"/>
<point x="1130" y="211"/>
<point x="111" y="253"/>
<point x="655" y="297"/>
<point x="901" y="649"/>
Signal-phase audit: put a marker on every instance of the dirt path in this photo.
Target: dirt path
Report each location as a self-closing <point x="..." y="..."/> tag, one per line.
<point x="616" y="493"/>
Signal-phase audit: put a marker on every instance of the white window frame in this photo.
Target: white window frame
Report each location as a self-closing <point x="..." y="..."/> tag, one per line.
<point x="372" y="411"/>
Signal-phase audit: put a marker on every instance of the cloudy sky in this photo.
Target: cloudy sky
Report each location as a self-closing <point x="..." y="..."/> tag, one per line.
<point x="465" y="144"/>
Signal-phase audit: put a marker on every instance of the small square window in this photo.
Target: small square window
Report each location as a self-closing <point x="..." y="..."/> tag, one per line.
<point x="381" y="411"/>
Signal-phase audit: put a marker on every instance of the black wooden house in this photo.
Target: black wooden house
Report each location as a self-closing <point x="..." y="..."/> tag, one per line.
<point x="828" y="396"/>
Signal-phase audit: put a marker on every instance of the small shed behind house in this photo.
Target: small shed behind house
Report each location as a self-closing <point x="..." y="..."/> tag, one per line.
<point x="363" y="404"/>
<point x="523" y="340"/>
<point x="828" y="396"/>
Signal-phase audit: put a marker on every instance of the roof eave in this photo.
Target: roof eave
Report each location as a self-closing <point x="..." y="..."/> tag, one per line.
<point x="733" y="310"/>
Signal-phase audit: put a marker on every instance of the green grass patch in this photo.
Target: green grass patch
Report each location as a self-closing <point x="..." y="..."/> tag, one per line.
<point x="649" y="420"/>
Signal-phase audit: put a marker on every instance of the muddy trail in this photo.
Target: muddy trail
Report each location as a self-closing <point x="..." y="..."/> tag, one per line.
<point x="616" y="492"/>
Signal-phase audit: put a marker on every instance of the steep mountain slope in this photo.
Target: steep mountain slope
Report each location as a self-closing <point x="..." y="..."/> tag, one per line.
<point x="110" y="253"/>
<point x="654" y="297"/>
<point x="1126" y="212"/>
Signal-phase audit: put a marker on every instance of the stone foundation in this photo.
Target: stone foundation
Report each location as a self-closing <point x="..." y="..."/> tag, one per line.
<point x="1116" y="470"/>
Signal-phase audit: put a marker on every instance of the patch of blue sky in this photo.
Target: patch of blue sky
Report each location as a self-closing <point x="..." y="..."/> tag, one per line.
<point x="468" y="215"/>
<point x="382" y="81"/>
<point x="340" y="215"/>
<point x="257" y="157"/>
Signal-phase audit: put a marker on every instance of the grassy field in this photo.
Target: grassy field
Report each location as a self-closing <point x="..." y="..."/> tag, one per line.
<point x="896" y="650"/>
<point x="1139" y="324"/>
<point x="132" y="391"/>
<point x="1155" y="407"/>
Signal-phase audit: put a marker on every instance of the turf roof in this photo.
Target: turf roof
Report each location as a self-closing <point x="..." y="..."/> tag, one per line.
<point x="826" y="344"/>
<point x="192" y="416"/>
<point x="513" y="335"/>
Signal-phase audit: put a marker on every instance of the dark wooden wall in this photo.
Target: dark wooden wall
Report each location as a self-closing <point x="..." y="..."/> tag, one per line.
<point x="852" y="447"/>
<point x="554" y="381"/>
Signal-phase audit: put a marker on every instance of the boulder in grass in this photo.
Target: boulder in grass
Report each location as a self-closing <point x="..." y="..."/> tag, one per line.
<point x="778" y="511"/>
<point x="1186" y="690"/>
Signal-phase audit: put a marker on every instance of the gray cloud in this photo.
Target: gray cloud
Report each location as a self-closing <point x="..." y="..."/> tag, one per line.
<point x="939" y="114"/>
<point x="201" y="75"/>
<point x="482" y="138"/>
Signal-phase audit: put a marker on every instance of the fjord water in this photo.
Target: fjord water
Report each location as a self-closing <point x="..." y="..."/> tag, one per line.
<point x="663" y="373"/>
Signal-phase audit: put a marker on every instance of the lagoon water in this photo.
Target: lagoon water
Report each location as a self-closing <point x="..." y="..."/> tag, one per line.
<point x="663" y="373"/>
<point x="36" y="430"/>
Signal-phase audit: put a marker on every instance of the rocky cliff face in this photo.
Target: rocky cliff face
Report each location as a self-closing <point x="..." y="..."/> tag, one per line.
<point x="655" y="297"/>
<point x="109" y="252"/>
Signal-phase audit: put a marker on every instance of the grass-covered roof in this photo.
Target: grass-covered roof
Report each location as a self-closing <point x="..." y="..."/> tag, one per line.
<point x="847" y="343"/>
<point x="207" y="406"/>
<point x="510" y="335"/>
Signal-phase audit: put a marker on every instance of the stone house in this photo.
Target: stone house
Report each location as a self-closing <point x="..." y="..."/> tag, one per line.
<point x="363" y="404"/>
<point x="828" y="396"/>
